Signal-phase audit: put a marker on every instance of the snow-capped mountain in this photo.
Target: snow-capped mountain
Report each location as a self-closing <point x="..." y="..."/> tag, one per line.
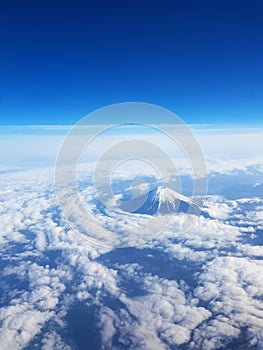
<point x="161" y="200"/>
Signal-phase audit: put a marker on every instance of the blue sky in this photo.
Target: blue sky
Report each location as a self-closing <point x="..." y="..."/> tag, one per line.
<point x="60" y="60"/>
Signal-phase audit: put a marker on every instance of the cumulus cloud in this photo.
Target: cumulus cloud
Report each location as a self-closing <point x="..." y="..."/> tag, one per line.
<point x="164" y="315"/>
<point x="139" y="304"/>
<point x="54" y="341"/>
<point x="232" y="287"/>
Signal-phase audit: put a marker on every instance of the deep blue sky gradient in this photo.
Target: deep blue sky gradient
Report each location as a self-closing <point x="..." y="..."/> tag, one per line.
<point x="62" y="59"/>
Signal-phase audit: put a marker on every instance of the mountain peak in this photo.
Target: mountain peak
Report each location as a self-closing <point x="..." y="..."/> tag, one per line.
<point x="166" y="194"/>
<point x="160" y="200"/>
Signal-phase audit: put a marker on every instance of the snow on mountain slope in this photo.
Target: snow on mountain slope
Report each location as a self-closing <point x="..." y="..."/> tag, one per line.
<point x="161" y="200"/>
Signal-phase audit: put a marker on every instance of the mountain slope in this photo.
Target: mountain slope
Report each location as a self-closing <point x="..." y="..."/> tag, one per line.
<point x="161" y="200"/>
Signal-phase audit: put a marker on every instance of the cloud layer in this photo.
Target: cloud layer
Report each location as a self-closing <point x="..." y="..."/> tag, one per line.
<point x="201" y="289"/>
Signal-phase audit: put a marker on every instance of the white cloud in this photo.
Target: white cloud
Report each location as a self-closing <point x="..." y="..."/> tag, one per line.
<point x="218" y="208"/>
<point x="248" y="250"/>
<point x="232" y="287"/>
<point x="54" y="341"/>
<point x="39" y="145"/>
<point x="160" y="319"/>
<point x="167" y="314"/>
<point x="20" y="323"/>
<point x="107" y="327"/>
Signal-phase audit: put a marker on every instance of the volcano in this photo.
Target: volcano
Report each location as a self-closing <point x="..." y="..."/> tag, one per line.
<point x="160" y="200"/>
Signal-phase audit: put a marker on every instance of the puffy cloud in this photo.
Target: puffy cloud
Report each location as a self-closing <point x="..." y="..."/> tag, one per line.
<point x="54" y="341"/>
<point x="107" y="327"/>
<point x="53" y="267"/>
<point x="232" y="287"/>
<point x="20" y="323"/>
<point x="215" y="334"/>
<point x="161" y="318"/>
<point x="218" y="208"/>
<point x="247" y="249"/>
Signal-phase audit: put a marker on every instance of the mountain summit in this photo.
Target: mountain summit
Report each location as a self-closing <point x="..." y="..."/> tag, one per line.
<point x="160" y="200"/>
